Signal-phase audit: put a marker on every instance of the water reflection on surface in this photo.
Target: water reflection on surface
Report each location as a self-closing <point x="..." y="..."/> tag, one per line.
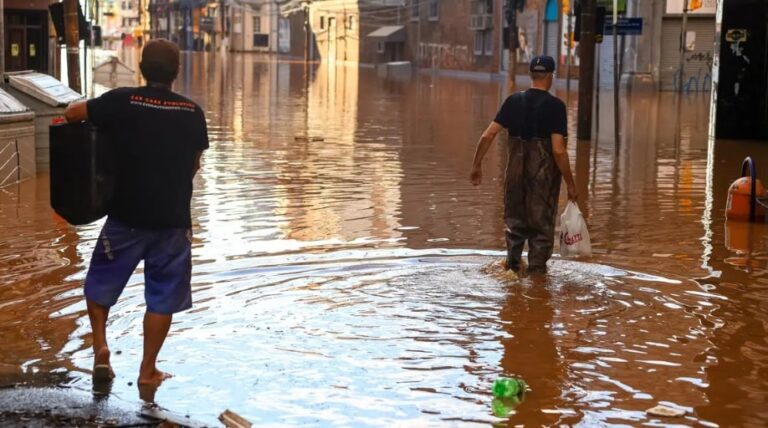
<point x="338" y="265"/>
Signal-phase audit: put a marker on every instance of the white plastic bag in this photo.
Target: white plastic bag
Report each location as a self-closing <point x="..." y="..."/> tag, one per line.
<point x="574" y="236"/>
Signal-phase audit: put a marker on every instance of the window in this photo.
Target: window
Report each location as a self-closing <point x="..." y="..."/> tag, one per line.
<point x="380" y="47"/>
<point x="488" y="42"/>
<point x="434" y="9"/>
<point x="487" y="6"/>
<point x="351" y="22"/>
<point x="482" y="7"/>
<point x="256" y="24"/>
<point x="260" y="40"/>
<point x="483" y="43"/>
<point x="415" y="12"/>
<point x="129" y="3"/>
<point x="322" y="23"/>
<point x="479" y="38"/>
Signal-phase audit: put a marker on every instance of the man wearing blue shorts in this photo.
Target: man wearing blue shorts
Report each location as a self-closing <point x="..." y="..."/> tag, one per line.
<point x="158" y="138"/>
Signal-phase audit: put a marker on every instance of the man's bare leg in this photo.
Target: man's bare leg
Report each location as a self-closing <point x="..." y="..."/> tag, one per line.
<point x="156" y="328"/>
<point x="98" y="315"/>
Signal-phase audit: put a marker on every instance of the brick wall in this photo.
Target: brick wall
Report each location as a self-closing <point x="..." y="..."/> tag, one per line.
<point x="447" y="41"/>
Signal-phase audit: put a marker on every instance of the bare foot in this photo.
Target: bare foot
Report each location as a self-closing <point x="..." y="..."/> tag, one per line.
<point x="102" y="370"/>
<point x="152" y="377"/>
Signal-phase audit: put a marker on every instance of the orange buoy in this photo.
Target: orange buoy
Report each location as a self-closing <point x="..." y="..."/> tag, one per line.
<point x="742" y="195"/>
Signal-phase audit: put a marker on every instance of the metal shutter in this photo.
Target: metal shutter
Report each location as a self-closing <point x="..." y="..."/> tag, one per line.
<point x="551" y="38"/>
<point x="605" y="51"/>
<point x="698" y="64"/>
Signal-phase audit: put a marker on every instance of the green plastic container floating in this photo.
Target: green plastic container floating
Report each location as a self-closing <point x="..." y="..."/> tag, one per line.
<point x="506" y="387"/>
<point x="508" y="394"/>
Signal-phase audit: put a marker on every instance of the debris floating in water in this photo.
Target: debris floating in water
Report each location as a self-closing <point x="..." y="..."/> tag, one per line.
<point x="664" y="411"/>
<point x="508" y="393"/>
<point x="306" y="139"/>
<point x="231" y="419"/>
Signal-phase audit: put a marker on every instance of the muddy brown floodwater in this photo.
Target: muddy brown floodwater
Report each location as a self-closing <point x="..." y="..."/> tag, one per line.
<point x="338" y="260"/>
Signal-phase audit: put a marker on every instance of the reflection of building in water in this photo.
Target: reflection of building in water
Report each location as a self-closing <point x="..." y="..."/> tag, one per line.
<point x="306" y="170"/>
<point x="344" y="181"/>
<point x="737" y="255"/>
<point x="39" y="255"/>
<point x="442" y="120"/>
<point x="657" y="176"/>
<point x="530" y="353"/>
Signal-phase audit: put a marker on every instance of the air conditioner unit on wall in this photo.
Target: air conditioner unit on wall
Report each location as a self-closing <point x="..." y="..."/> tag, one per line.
<point x="481" y="22"/>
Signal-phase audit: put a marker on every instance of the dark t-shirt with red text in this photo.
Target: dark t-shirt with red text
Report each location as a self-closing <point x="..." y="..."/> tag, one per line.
<point x="533" y="114"/>
<point x="156" y="136"/>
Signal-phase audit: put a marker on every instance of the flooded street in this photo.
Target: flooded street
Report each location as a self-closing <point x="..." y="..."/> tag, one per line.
<point x="339" y="257"/>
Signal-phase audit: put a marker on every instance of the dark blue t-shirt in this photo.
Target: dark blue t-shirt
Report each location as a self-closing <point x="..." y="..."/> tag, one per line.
<point x="156" y="136"/>
<point x="533" y="113"/>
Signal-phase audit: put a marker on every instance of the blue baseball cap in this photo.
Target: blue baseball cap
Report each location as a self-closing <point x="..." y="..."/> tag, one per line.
<point x="542" y="63"/>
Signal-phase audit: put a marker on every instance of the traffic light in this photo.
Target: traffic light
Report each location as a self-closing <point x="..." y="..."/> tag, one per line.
<point x="695" y="4"/>
<point x="600" y="24"/>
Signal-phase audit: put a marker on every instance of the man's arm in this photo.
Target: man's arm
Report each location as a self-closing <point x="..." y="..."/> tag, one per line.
<point x="198" y="162"/>
<point x="76" y="112"/>
<point x="476" y="177"/>
<point x="564" y="164"/>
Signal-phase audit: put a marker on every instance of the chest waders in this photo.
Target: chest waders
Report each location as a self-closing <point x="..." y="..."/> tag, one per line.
<point x="531" y="191"/>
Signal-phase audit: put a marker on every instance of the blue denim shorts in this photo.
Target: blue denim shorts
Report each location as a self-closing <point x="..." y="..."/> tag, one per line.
<point x="167" y="255"/>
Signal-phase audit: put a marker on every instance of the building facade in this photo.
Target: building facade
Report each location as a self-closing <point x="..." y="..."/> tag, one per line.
<point x="463" y="35"/>
<point x="696" y="74"/>
<point x="254" y="27"/>
<point x="345" y="31"/>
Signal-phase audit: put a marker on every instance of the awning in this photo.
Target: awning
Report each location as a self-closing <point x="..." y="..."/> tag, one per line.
<point x="389" y="33"/>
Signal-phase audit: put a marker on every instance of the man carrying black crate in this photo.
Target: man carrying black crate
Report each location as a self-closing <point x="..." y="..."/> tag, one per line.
<point x="158" y="138"/>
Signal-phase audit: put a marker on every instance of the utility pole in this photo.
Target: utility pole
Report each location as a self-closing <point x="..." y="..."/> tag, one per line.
<point x="307" y="32"/>
<point x="586" y="69"/>
<point x="513" y="41"/>
<point x="72" y="36"/>
<point x="616" y="76"/>
<point x="683" y="47"/>
<point x="2" y="44"/>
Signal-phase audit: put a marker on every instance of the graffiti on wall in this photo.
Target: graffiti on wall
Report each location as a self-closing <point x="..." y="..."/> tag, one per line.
<point x="445" y="55"/>
<point x="700" y="80"/>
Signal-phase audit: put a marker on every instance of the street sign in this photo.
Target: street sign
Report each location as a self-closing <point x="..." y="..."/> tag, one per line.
<point x="625" y="26"/>
<point x="206" y="24"/>
<point x="736" y="35"/>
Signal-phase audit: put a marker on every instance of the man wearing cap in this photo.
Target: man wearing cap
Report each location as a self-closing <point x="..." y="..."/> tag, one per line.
<point x="536" y="123"/>
<point x="158" y="138"/>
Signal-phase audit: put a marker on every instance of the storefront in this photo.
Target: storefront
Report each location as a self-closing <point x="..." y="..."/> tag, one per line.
<point x="699" y="50"/>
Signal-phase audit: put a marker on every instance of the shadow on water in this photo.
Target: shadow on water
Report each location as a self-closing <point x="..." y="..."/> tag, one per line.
<point x="338" y="259"/>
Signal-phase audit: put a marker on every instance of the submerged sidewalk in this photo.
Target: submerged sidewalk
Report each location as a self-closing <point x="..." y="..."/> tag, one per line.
<point x="65" y="407"/>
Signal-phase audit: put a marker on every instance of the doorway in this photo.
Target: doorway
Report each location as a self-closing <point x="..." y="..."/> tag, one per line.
<point x="26" y="40"/>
